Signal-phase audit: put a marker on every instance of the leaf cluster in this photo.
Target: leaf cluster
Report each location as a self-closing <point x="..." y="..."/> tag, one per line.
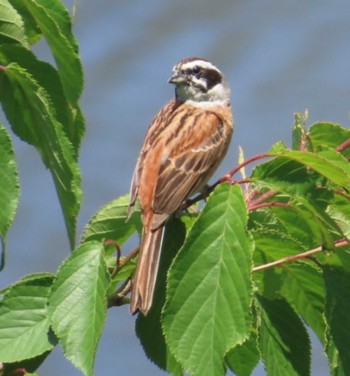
<point x="240" y="280"/>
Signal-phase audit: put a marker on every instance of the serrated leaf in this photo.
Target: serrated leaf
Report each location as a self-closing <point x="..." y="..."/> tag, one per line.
<point x="299" y="131"/>
<point x="269" y="242"/>
<point x="30" y="365"/>
<point x="299" y="189"/>
<point x="271" y="245"/>
<point x="31" y="29"/>
<point x="339" y="210"/>
<point x="318" y="163"/>
<point x="148" y="328"/>
<point x="245" y="357"/>
<point x="47" y="77"/>
<point x="335" y="364"/>
<point x="337" y="310"/>
<point x="207" y="311"/>
<point x="11" y="25"/>
<point x="283" y="340"/>
<point x="29" y="110"/>
<point x="329" y="134"/>
<point x="304" y="289"/>
<point x="24" y="324"/>
<point x="110" y="222"/>
<point x="78" y="304"/>
<point x="9" y="187"/>
<point x="54" y="23"/>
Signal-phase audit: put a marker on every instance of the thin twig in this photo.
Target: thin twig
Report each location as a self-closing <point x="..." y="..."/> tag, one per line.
<point x="131" y="255"/>
<point x="307" y="254"/>
<point x="248" y="161"/>
<point x="343" y="146"/>
<point x="259" y="198"/>
<point x="117" y="248"/>
<point x="268" y="204"/>
<point x="118" y="298"/>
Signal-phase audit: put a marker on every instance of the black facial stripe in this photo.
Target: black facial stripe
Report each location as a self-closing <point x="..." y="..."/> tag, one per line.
<point x="212" y="76"/>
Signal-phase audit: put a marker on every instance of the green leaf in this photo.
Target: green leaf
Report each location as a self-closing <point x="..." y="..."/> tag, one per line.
<point x="31" y="29"/>
<point x="24" y="324"/>
<point x="283" y="341"/>
<point x="11" y="25"/>
<point x="329" y="134"/>
<point x="322" y="165"/>
<point x="245" y="357"/>
<point x="9" y="186"/>
<point x="110" y="222"/>
<point x="335" y="364"/>
<point x="207" y="311"/>
<point x="339" y="210"/>
<point x="337" y="311"/>
<point x="78" y="304"/>
<point x="148" y="328"/>
<point x="304" y="289"/>
<point x="298" y="188"/>
<point x="47" y="77"/>
<point x="299" y="136"/>
<point x="29" y="110"/>
<point x="269" y="243"/>
<point x="30" y="365"/>
<point x="54" y="22"/>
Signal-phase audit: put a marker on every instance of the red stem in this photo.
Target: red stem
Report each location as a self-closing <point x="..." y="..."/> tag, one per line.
<point x="343" y="146"/>
<point x="246" y="162"/>
<point x="300" y="256"/>
<point x="268" y="204"/>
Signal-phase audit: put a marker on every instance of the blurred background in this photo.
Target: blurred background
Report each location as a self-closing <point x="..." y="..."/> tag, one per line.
<point x="280" y="57"/>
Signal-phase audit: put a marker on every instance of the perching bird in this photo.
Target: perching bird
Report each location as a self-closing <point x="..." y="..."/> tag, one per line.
<point x="183" y="147"/>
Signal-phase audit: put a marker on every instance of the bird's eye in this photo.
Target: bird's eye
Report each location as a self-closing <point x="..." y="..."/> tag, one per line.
<point x="196" y="71"/>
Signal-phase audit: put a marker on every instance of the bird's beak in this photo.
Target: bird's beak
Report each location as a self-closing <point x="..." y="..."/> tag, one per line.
<point x="177" y="78"/>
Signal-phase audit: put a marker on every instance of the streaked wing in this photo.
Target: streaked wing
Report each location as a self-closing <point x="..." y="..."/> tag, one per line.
<point x="190" y="163"/>
<point x="157" y="126"/>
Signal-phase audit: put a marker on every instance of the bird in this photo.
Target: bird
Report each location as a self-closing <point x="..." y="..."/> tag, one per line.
<point x="183" y="147"/>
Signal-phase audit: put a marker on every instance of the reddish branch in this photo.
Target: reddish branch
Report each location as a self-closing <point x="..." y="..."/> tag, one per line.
<point x="131" y="255"/>
<point x="248" y="161"/>
<point x="343" y="146"/>
<point x="268" y="204"/>
<point x="300" y="256"/>
<point x="226" y="178"/>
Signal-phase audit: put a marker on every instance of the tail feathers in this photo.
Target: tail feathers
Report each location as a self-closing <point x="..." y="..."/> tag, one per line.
<point x="144" y="281"/>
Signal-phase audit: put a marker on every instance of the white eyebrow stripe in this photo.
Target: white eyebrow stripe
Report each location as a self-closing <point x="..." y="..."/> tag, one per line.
<point x="201" y="63"/>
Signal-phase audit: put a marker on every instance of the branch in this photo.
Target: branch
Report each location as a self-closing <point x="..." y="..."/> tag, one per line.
<point x="225" y="178"/>
<point x="343" y="146"/>
<point x="131" y="255"/>
<point x="118" y="298"/>
<point x="268" y="204"/>
<point x="247" y="161"/>
<point x="300" y="256"/>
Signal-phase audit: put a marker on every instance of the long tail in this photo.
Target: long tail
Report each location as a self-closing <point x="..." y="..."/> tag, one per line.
<point x="144" y="281"/>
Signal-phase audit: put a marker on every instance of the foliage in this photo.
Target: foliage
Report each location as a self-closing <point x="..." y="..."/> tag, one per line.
<point x="240" y="280"/>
